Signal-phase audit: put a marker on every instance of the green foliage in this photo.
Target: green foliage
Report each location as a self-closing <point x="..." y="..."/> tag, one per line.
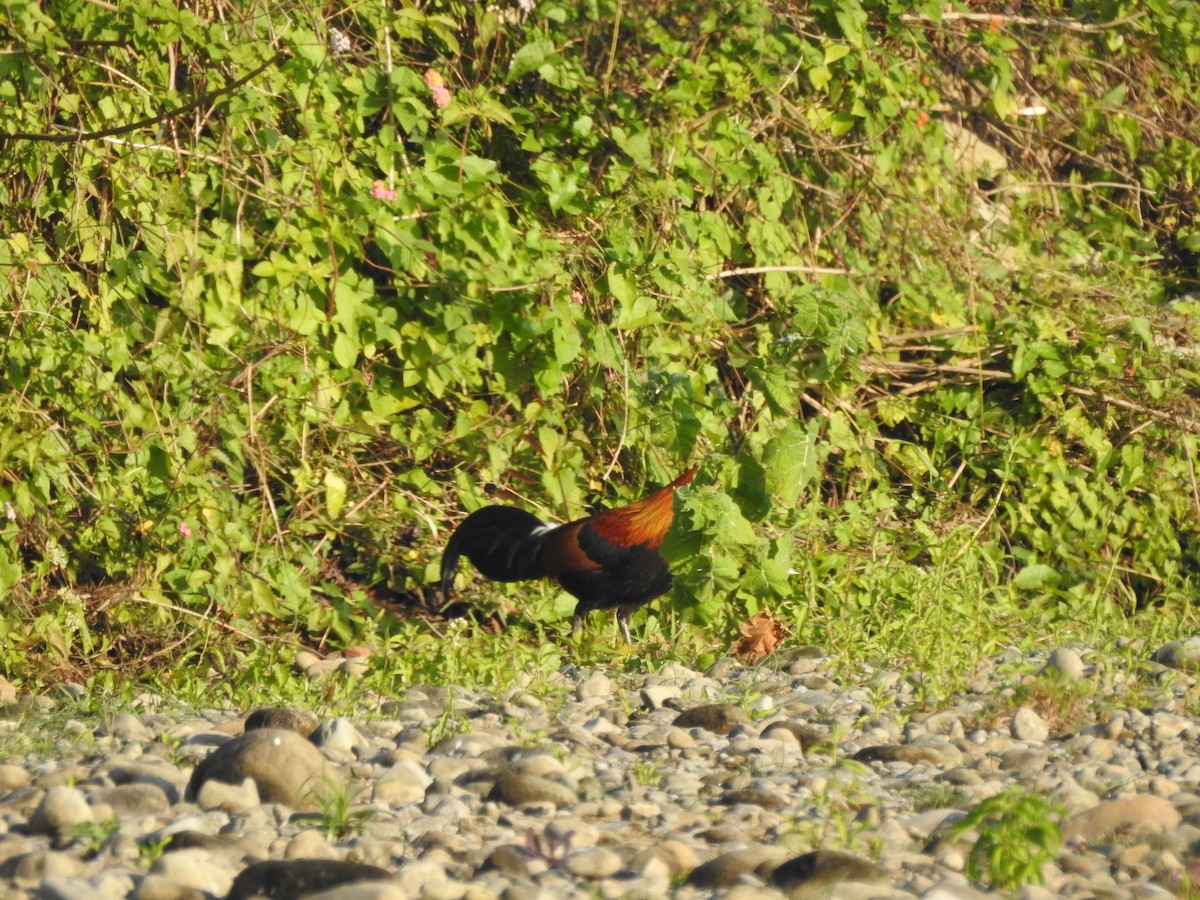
<point x="1017" y="837"/>
<point x="284" y="294"/>
<point x="150" y="849"/>
<point x="648" y="773"/>
<point x="337" y="815"/>
<point x="95" y="834"/>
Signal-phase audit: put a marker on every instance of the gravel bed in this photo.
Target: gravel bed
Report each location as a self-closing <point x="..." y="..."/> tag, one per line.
<point x="782" y="780"/>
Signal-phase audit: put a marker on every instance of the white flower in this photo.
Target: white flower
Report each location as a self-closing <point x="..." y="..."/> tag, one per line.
<point x="339" y="42"/>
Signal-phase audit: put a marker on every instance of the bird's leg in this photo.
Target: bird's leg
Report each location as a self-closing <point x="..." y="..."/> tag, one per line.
<point x="577" y="623"/>
<point x="623" y="621"/>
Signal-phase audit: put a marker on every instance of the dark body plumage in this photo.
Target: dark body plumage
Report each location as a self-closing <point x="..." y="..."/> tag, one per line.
<point x="607" y="561"/>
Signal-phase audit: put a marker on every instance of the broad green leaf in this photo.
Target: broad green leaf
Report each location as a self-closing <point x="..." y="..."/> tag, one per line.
<point x="636" y="144"/>
<point x="345" y="350"/>
<point x="621" y="287"/>
<point x="530" y="58"/>
<point x="778" y="384"/>
<point x="790" y="461"/>
<point x="335" y="493"/>
<point x="1036" y="576"/>
<point x="159" y="463"/>
<point x="853" y="21"/>
<point x="819" y="76"/>
<point x="475" y="168"/>
<point x="834" y="52"/>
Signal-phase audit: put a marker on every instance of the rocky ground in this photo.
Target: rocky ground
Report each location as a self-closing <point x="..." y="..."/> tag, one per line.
<point x="782" y="780"/>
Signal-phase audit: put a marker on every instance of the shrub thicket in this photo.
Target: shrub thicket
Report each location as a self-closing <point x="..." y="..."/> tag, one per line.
<point x="284" y="294"/>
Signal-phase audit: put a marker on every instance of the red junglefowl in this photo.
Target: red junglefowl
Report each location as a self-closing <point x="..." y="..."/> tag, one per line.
<point x="608" y="561"/>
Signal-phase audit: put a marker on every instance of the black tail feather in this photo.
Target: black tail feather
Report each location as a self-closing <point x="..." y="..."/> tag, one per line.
<point x="501" y="541"/>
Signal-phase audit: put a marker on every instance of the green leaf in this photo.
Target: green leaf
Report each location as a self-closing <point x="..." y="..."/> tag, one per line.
<point x="790" y="461"/>
<point x="1036" y="576"/>
<point x="582" y="126"/>
<point x="159" y="463"/>
<point x="719" y="517"/>
<point x="621" y="287"/>
<point x="1003" y="102"/>
<point x="335" y="493"/>
<point x="852" y="19"/>
<point x="530" y="58"/>
<point x="819" y="76"/>
<point x="637" y="145"/>
<point x="835" y="51"/>
<point x="1140" y="326"/>
<point x="778" y="385"/>
<point x="475" y="168"/>
<point x="345" y="350"/>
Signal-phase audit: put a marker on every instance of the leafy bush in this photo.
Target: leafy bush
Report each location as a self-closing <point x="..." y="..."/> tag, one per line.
<point x="1017" y="837"/>
<point x="286" y="294"/>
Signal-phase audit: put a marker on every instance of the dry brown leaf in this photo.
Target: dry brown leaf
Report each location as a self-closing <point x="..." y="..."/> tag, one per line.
<point x="760" y="636"/>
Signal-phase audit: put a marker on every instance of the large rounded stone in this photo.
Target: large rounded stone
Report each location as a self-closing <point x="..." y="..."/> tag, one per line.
<point x="155" y="887"/>
<point x="133" y="799"/>
<point x="592" y="863"/>
<point x="126" y="727"/>
<point x="230" y="798"/>
<point x="823" y="869"/>
<point x="726" y="869"/>
<point x="809" y="736"/>
<point x="1027" y="725"/>
<point x="61" y="807"/>
<point x="13" y="777"/>
<point x="935" y="752"/>
<point x="517" y="790"/>
<point x="292" y="878"/>
<point x="1183" y="655"/>
<point x="595" y="686"/>
<point x="1067" y="663"/>
<point x="677" y="856"/>
<point x="715" y="717"/>
<point x="41" y="864"/>
<point x="365" y="890"/>
<point x="284" y="766"/>
<point x="340" y="740"/>
<point x="1144" y="810"/>
<point x="196" y="868"/>
<point x="300" y="721"/>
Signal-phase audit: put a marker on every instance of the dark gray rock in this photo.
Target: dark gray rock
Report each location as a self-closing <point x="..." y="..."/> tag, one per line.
<point x="823" y="869"/>
<point x="754" y="797"/>
<point x="810" y="736"/>
<point x="715" y="717"/>
<point x="939" y="753"/>
<point x="517" y="790"/>
<point x="286" y="879"/>
<point x="726" y="869"/>
<point x="300" y="721"/>
<point x="1183" y="655"/>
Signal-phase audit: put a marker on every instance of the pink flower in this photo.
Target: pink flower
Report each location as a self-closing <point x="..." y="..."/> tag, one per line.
<point x="185" y="529"/>
<point x="576" y="295"/>
<point x="381" y="191"/>
<point x="436" y="83"/>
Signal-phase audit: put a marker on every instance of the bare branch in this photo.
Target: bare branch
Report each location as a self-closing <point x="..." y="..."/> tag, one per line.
<point x="762" y="270"/>
<point x="1036" y="21"/>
